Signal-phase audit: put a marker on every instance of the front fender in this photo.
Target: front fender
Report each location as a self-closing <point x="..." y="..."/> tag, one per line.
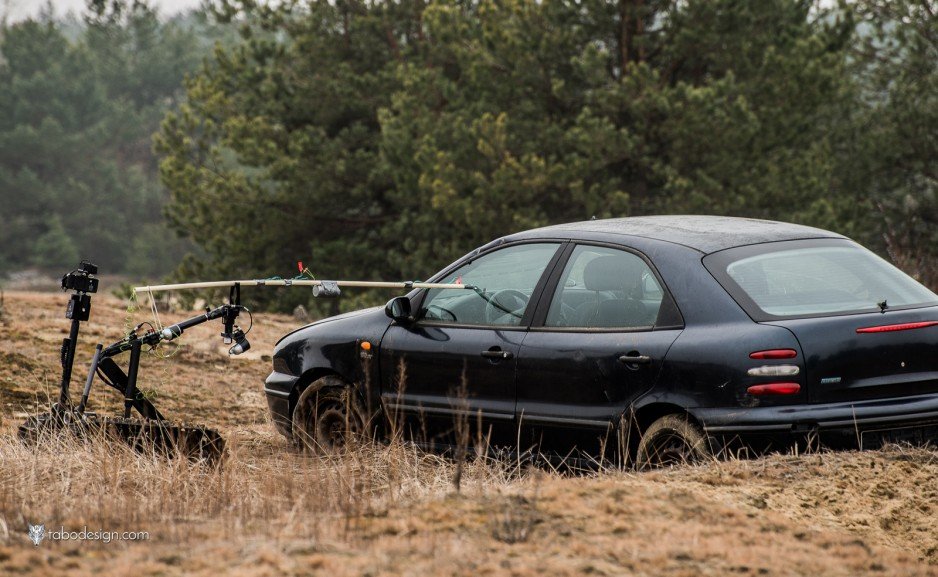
<point x="331" y="346"/>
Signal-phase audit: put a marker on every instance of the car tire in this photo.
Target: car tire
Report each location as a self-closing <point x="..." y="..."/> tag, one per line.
<point x="670" y="441"/>
<point x="328" y="416"/>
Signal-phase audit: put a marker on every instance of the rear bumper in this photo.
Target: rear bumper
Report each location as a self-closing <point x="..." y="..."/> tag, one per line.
<point x="857" y="415"/>
<point x="278" y="388"/>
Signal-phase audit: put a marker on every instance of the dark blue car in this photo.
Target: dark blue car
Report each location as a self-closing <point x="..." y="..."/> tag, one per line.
<point x="659" y="339"/>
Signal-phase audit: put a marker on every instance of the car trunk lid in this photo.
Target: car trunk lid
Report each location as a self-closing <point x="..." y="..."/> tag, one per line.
<point x="868" y="356"/>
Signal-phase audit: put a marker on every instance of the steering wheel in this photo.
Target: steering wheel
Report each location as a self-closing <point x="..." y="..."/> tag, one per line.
<point x="436" y="312"/>
<point x="505" y="302"/>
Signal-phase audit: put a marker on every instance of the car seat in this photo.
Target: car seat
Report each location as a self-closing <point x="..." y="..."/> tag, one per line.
<point x="622" y="277"/>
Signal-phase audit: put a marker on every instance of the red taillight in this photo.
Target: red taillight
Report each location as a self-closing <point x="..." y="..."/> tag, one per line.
<point x="774" y="354"/>
<point x="899" y="327"/>
<point x="774" y="389"/>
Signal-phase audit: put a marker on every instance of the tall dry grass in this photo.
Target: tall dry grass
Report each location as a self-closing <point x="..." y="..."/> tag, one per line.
<point x="263" y="485"/>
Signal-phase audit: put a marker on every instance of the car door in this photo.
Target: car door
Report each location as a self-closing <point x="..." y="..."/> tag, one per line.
<point x="595" y="345"/>
<point x="456" y="362"/>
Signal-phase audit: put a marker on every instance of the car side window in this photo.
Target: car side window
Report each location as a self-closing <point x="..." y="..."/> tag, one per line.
<point x="605" y="288"/>
<point x="503" y="282"/>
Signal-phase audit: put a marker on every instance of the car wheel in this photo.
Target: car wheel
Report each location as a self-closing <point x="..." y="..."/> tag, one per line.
<point x="328" y="416"/>
<point x="671" y="440"/>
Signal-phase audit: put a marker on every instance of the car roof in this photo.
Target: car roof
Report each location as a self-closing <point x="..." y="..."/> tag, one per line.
<point x="706" y="234"/>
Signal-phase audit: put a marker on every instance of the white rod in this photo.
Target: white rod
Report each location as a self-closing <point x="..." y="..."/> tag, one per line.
<point x="301" y="282"/>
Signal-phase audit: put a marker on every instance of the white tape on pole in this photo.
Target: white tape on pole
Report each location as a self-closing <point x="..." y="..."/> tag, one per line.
<point x="297" y="282"/>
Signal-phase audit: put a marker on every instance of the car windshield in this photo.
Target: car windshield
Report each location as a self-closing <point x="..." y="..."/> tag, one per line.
<point x="825" y="280"/>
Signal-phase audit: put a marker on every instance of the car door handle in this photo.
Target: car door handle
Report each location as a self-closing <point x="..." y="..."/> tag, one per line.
<point x="635" y="359"/>
<point x="495" y="353"/>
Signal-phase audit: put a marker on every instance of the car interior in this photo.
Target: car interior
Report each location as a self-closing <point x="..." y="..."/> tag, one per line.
<point x="608" y="292"/>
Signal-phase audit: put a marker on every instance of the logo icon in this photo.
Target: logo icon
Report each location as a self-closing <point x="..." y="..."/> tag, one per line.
<point x="37" y="533"/>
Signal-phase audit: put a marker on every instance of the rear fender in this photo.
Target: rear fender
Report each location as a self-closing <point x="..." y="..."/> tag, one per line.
<point x="708" y="366"/>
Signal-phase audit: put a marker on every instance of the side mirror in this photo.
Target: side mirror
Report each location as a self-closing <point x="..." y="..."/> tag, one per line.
<point x="398" y="309"/>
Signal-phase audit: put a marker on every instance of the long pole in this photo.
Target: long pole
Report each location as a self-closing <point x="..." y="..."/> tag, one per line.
<point x="299" y="282"/>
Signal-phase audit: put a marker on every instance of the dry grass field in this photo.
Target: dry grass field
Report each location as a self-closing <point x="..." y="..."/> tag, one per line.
<point x="389" y="509"/>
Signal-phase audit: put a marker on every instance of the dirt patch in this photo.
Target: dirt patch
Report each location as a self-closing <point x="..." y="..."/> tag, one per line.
<point x="15" y="362"/>
<point x="19" y="375"/>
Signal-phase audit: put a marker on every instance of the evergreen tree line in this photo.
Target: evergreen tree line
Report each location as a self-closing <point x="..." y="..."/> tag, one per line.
<point x="384" y="139"/>
<point x="79" y="103"/>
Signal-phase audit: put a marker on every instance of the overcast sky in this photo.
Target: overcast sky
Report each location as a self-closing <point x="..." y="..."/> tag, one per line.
<point x="21" y="9"/>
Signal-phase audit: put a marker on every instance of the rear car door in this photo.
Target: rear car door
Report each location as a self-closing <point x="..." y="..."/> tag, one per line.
<point x="457" y="362"/>
<point x="596" y="344"/>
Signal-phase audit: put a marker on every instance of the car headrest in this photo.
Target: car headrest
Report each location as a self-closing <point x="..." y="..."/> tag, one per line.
<point x="612" y="273"/>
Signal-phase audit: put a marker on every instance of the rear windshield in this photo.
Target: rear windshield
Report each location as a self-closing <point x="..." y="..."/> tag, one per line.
<point x="800" y="279"/>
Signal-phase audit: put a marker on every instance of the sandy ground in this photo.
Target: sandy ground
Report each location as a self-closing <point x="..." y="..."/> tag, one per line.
<point x="391" y="510"/>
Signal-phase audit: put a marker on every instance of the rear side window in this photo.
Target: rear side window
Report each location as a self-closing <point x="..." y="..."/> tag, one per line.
<point x="814" y="278"/>
<point x="605" y="288"/>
